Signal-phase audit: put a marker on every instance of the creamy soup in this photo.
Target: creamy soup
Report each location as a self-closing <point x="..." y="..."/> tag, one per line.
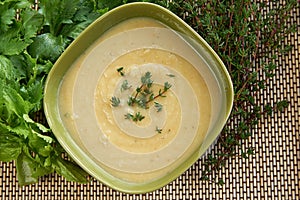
<point x="131" y="141"/>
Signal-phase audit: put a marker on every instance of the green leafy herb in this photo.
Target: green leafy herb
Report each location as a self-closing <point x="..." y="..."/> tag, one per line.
<point x="143" y="96"/>
<point x="64" y="20"/>
<point x="167" y="86"/>
<point x="115" y="101"/>
<point x="120" y="70"/>
<point x="242" y="32"/>
<point x="281" y="105"/>
<point x="134" y="117"/>
<point x="158" y="106"/>
<point x="144" y="93"/>
<point x="125" y="85"/>
<point x="30" y="41"/>
<point x="161" y="92"/>
<point x="128" y="116"/>
<point x="158" y="130"/>
<point x="146" y="80"/>
<point x="130" y="101"/>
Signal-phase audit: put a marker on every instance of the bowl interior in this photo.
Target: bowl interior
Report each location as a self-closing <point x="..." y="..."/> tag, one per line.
<point x="214" y="73"/>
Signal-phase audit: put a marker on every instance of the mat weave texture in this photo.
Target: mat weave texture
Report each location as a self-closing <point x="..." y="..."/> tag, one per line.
<point x="272" y="173"/>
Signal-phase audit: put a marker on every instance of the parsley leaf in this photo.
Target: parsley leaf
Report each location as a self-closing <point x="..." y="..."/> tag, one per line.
<point x="58" y="13"/>
<point x="7" y="16"/>
<point x="29" y="45"/>
<point x="27" y="51"/>
<point x="10" y="146"/>
<point x="48" y="47"/>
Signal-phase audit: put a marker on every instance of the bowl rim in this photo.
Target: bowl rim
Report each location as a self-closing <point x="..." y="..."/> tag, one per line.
<point x="79" y="156"/>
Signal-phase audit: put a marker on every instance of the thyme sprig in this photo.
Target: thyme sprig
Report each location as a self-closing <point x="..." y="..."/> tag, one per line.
<point x="142" y="97"/>
<point x="249" y="38"/>
<point x="125" y="85"/>
<point x="134" y="117"/>
<point x="161" y="92"/>
<point x="158" y="106"/>
<point x="115" y="101"/>
<point x="144" y="93"/>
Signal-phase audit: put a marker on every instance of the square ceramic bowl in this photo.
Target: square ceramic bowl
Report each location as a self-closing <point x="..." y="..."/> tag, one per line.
<point x="137" y="98"/>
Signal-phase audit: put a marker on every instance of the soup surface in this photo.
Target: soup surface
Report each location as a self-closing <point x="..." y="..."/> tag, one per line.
<point x="137" y="100"/>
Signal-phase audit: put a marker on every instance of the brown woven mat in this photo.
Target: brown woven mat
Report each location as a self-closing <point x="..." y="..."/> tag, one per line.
<point x="272" y="173"/>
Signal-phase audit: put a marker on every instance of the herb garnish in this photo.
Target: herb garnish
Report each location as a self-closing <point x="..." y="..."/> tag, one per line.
<point x="143" y="95"/>
<point x="158" y="106"/>
<point x="160" y="92"/>
<point x="120" y="70"/>
<point x="158" y="130"/>
<point x="142" y="91"/>
<point x="134" y="117"/>
<point x="115" y="101"/>
<point x="125" y="85"/>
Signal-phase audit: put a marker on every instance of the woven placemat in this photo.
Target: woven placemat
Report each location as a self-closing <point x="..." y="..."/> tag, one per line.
<point x="272" y="173"/>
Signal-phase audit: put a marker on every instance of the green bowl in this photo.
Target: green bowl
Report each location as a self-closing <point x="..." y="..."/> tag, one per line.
<point x="221" y="93"/>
